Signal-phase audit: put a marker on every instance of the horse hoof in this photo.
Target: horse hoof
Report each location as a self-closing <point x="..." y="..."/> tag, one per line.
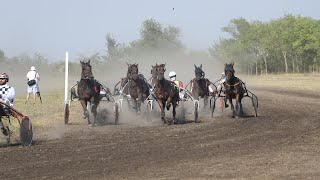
<point x="138" y="112"/>
<point x="237" y="117"/>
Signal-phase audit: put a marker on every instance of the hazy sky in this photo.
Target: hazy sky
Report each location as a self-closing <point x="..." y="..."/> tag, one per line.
<point x="51" y="27"/>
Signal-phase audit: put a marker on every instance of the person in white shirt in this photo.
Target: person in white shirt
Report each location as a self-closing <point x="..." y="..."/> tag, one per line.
<point x="34" y="77"/>
<point x="7" y="94"/>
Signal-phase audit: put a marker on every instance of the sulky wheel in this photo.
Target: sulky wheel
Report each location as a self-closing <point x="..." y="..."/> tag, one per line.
<point x="7" y="134"/>
<point x="221" y="104"/>
<point x="26" y="133"/>
<point x="66" y="114"/>
<point x="255" y="106"/>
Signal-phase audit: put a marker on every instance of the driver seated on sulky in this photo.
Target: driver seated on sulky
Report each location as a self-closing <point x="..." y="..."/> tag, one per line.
<point x="221" y="82"/>
<point x="179" y="84"/>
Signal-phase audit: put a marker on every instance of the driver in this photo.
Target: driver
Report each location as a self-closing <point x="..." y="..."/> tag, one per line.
<point x="7" y="94"/>
<point x="179" y="84"/>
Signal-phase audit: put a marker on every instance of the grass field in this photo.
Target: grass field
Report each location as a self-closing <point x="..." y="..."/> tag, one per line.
<point x="308" y="82"/>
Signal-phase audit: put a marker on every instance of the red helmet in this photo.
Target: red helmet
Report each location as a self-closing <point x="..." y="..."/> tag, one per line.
<point x="4" y="76"/>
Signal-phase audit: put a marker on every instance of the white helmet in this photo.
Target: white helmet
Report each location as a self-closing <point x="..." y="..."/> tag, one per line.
<point x="172" y="74"/>
<point x="32" y="68"/>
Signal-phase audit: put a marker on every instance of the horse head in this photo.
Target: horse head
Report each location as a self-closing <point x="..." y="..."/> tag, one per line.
<point x="198" y="71"/>
<point x="86" y="72"/>
<point x="133" y="71"/>
<point x="228" y="70"/>
<point x="160" y="69"/>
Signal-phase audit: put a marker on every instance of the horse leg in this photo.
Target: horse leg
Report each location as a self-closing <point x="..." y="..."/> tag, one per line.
<point x="94" y="106"/>
<point x="232" y="106"/>
<point x="239" y="106"/>
<point x="205" y="100"/>
<point x="174" y="104"/>
<point x="138" y="105"/>
<point x="168" y="103"/>
<point x="162" y="113"/>
<point x="84" y="107"/>
<point x="139" y="100"/>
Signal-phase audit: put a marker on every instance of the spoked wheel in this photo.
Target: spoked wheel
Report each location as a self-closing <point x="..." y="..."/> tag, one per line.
<point x="221" y="103"/>
<point x="66" y="114"/>
<point x="255" y="106"/>
<point x="8" y="134"/>
<point x="196" y="111"/>
<point x="116" y="113"/>
<point x="26" y="133"/>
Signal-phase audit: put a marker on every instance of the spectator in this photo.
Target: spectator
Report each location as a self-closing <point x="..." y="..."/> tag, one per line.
<point x="33" y="83"/>
<point x="7" y="94"/>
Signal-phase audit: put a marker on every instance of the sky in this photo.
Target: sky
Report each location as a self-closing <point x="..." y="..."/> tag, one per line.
<point x="52" y="27"/>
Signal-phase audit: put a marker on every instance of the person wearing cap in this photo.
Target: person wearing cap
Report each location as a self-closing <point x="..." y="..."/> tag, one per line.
<point x="32" y="75"/>
<point x="179" y="84"/>
<point x="7" y="94"/>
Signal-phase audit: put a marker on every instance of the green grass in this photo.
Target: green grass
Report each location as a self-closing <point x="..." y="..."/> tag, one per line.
<point x="48" y="114"/>
<point x="285" y="81"/>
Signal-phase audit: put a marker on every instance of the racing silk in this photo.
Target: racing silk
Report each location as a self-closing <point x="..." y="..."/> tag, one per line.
<point x="7" y="92"/>
<point x="179" y="84"/>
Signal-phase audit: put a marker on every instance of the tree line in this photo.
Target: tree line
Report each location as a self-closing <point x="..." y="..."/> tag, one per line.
<point x="290" y="44"/>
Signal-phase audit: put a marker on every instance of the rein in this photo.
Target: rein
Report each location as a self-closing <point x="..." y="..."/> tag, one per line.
<point x="233" y="84"/>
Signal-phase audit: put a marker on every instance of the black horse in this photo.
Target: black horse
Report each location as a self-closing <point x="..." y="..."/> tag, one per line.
<point x="233" y="89"/>
<point x="165" y="92"/>
<point x="200" y="85"/>
<point x="88" y="91"/>
<point x="135" y="85"/>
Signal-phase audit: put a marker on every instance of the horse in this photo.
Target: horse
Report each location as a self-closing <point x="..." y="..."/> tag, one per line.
<point x="88" y="91"/>
<point x="165" y="92"/>
<point x="233" y="89"/>
<point x="200" y="85"/>
<point x="136" y="86"/>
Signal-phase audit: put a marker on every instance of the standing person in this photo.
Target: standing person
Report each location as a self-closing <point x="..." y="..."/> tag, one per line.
<point x="7" y="94"/>
<point x="179" y="84"/>
<point x="33" y="80"/>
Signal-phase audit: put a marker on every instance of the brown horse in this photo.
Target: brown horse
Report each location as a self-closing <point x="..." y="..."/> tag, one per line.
<point x="233" y="89"/>
<point x="200" y="85"/>
<point x="165" y="92"/>
<point x="135" y="85"/>
<point x="88" y="91"/>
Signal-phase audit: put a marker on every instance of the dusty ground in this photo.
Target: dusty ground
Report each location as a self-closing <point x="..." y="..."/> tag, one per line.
<point x="282" y="143"/>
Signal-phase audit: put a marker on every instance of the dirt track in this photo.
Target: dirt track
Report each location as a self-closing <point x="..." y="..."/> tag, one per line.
<point x="282" y="143"/>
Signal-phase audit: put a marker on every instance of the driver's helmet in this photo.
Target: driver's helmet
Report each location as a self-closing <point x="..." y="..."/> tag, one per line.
<point x="172" y="75"/>
<point x="4" y="76"/>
